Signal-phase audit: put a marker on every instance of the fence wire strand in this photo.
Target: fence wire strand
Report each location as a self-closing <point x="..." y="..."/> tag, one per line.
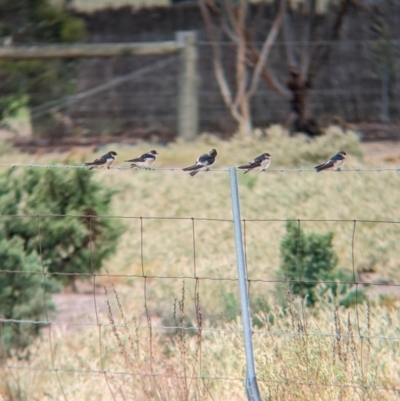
<point x="211" y="170"/>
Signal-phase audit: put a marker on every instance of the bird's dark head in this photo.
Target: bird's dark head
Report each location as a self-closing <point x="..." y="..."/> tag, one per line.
<point x="112" y="153"/>
<point x="342" y="153"/>
<point x="266" y="155"/>
<point x="213" y="152"/>
<point x="153" y="152"/>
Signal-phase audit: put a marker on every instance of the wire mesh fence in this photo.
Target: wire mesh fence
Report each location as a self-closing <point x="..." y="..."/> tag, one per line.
<point x="138" y="96"/>
<point x="169" y="326"/>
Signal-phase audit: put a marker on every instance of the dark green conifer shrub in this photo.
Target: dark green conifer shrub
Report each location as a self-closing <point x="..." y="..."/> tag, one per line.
<point x="308" y="262"/>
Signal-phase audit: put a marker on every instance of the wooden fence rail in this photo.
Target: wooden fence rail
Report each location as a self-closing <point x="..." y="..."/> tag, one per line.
<point x="185" y="44"/>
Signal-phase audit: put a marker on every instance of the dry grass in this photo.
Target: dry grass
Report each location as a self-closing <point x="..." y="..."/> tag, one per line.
<point x="320" y="356"/>
<point x="168" y="252"/>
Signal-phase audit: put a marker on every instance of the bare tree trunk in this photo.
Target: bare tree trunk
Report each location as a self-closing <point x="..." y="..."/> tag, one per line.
<point x="245" y="124"/>
<point x="250" y="63"/>
<point x="302" y="73"/>
<point x="242" y="101"/>
<point x="385" y="90"/>
<point x="299" y="105"/>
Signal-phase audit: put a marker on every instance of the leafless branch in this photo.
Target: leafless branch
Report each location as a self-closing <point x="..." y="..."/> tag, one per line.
<point x="253" y="54"/>
<point x="305" y="48"/>
<point x="288" y="37"/>
<point x="229" y="32"/>
<point x="231" y="15"/>
<point x="269" y="41"/>
<point x="217" y="58"/>
<point x="241" y="69"/>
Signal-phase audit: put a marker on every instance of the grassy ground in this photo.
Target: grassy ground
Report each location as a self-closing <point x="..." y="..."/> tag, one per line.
<point x="166" y="248"/>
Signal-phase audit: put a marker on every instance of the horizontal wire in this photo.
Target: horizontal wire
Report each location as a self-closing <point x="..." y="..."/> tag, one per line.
<point x="132" y="95"/>
<point x="102" y="372"/>
<point x="149" y="277"/>
<point x="191" y="377"/>
<point x="280" y="333"/>
<point x="334" y="43"/>
<point x="282" y="170"/>
<point x="110" y="216"/>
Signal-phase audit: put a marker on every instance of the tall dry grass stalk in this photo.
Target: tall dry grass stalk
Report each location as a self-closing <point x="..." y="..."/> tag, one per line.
<point x="330" y="354"/>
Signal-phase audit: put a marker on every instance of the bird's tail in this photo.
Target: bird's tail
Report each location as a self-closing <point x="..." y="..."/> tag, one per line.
<point x="90" y="164"/>
<point x="246" y="166"/>
<point x="249" y="167"/>
<point x="323" y="167"/>
<point x="191" y="168"/>
<point x="193" y="173"/>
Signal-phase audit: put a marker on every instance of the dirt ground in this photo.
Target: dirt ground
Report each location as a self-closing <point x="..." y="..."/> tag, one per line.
<point x="383" y="152"/>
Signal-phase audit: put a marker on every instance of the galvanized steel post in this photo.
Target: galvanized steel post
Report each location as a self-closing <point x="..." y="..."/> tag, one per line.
<point x="252" y="391"/>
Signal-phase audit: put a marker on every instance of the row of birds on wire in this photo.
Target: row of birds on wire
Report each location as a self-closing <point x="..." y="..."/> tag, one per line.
<point x="205" y="161"/>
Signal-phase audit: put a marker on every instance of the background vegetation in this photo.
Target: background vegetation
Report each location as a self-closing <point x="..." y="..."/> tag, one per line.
<point x="32" y="82"/>
<point x="31" y="245"/>
<point x="321" y="345"/>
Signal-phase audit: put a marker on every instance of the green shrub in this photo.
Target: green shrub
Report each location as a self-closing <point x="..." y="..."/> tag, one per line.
<point x="306" y="260"/>
<point x="24" y="294"/>
<point x="39" y="81"/>
<point x="73" y="239"/>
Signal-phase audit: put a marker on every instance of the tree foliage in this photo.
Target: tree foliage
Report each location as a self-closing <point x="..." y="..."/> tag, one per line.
<point x="74" y="239"/>
<point x="25" y="22"/>
<point x="24" y="293"/>
<point x="50" y="224"/>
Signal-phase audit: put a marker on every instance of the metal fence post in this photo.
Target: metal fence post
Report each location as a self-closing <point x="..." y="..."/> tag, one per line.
<point x="188" y="104"/>
<point x="252" y="391"/>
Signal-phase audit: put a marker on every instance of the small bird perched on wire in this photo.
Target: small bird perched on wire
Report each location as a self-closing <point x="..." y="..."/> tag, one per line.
<point x="260" y="163"/>
<point x="104" y="161"/>
<point x="202" y="163"/>
<point x="334" y="163"/>
<point x="145" y="161"/>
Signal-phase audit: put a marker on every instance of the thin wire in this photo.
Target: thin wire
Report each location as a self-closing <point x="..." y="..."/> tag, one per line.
<point x="98" y="324"/>
<point x="44" y="108"/>
<point x="155" y="375"/>
<point x="303" y="299"/>
<point x="146" y="307"/>
<point x="120" y="167"/>
<point x="356" y="284"/>
<point x="194" y="329"/>
<point x="334" y="43"/>
<point x="283" y="281"/>
<point x="44" y="273"/>
<point x="202" y="92"/>
<point x="206" y="92"/>
<point x="107" y="216"/>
